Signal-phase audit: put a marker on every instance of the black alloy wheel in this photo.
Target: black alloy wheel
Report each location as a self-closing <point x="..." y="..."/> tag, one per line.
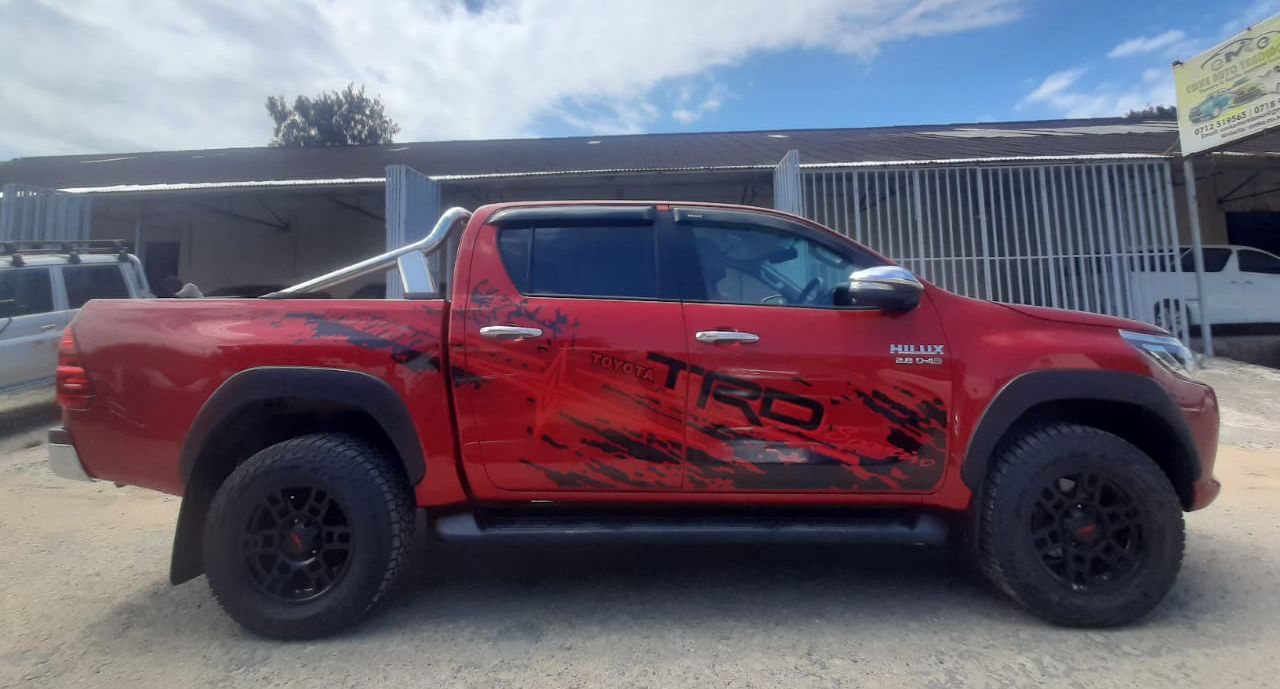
<point x="1087" y="530"/>
<point x="297" y="543"/>
<point x="305" y="537"/>
<point x="1079" y="526"/>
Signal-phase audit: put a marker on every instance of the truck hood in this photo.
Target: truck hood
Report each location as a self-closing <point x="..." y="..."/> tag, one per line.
<point x="1082" y="318"/>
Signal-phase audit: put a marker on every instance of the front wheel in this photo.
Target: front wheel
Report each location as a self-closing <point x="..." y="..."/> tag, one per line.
<point x="1080" y="527"/>
<point x="307" y="535"/>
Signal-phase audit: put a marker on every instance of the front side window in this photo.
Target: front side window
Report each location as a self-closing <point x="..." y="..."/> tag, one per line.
<point x="1214" y="260"/>
<point x="1258" y="262"/>
<point x="25" y="292"/>
<point x="102" y="281"/>
<point x="744" y="265"/>
<point x="618" y="262"/>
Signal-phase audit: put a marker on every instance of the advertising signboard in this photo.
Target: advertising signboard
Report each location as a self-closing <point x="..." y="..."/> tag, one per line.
<point x="1231" y="91"/>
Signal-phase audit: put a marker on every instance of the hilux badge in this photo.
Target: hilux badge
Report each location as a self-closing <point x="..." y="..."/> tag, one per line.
<point x="930" y="354"/>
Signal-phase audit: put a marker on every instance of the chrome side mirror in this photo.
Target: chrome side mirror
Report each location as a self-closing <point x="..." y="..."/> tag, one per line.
<point x="888" y="288"/>
<point x="415" y="278"/>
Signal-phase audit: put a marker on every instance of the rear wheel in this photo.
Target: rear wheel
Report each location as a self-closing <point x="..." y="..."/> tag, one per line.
<point x="306" y="536"/>
<point x="1080" y="527"/>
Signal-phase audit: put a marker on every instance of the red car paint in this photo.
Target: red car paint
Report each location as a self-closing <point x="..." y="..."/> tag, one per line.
<point x="619" y="403"/>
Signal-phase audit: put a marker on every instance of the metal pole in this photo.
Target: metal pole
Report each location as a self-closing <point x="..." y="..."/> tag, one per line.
<point x="982" y="224"/>
<point x="1171" y="239"/>
<point x="137" y="234"/>
<point x="1197" y="251"/>
<point x="918" y="212"/>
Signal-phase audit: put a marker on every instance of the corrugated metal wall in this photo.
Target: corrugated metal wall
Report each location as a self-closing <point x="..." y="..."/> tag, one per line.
<point x="413" y="206"/>
<point x="28" y="212"/>
<point x="1075" y="236"/>
<point x="788" y="193"/>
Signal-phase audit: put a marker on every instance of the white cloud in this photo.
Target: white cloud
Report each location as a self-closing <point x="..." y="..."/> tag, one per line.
<point x="1147" y="44"/>
<point x="708" y="100"/>
<point x="1063" y="94"/>
<point x="1053" y="85"/>
<point x="1255" y="12"/>
<point x="98" y="76"/>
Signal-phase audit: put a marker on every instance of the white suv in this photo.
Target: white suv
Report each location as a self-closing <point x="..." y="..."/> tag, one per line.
<point x="1241" y="286"/>
<point x="41" y="287"/>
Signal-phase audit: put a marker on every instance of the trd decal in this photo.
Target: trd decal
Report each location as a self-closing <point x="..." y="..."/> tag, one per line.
<point x="751" y="400"/>
<point x="612" y="363"/>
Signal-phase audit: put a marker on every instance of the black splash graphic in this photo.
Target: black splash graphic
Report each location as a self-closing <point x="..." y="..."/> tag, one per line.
<point x="411" y="347"/>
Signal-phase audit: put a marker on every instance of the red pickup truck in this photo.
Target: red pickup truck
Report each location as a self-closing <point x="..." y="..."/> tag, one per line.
<point x="628" y="371"/>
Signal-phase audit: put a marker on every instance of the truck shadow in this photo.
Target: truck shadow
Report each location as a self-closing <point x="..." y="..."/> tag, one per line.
<point x="519" y="598"/>
<point x="487" y="585"/>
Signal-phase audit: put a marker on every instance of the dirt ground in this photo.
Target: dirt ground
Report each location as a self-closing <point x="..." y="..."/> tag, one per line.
<point x="84" y="602"/>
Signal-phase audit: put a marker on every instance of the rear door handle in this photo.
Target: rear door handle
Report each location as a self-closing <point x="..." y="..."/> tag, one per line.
<point x="47" y="328"/>
<point x="509" y="333"/>
<point x="725" y="337"/>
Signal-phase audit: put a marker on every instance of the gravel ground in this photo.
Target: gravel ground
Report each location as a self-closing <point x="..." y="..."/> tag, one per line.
<point x="84" y="602"/>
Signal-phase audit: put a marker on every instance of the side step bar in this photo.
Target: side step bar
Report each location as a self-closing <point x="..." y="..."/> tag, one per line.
<point x="910" y="530"/>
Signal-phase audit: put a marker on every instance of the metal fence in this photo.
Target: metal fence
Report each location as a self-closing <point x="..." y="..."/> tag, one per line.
<point x="28" y="212"/>
<point x="1095" y="237"/>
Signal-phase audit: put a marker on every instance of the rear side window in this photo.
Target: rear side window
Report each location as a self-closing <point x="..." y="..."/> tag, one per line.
<point x="25" y="291"/>
<point x="1258" y="262"/>
<point x="93" y="282"/>
<point x="602" y="261"/>
<point x="1214" y="260"/>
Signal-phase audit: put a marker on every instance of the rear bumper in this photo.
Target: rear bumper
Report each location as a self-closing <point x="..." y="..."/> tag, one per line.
<point x="63" y="459"/>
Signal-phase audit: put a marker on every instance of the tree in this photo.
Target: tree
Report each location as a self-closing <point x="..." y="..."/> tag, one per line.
<point x="340" y="118"/>
<point x="1153" y="112"/>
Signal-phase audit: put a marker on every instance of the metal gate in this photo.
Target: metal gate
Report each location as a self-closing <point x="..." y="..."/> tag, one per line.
<point x="28" y="212"/>
<point x="1095" y="237"/>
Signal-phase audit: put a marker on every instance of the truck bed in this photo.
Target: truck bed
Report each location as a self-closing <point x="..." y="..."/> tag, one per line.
<point x="155" y="363"/>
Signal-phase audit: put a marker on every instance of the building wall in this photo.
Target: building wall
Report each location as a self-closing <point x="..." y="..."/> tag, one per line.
<point x="281" y="238"/>
<point x="218" y="250"/>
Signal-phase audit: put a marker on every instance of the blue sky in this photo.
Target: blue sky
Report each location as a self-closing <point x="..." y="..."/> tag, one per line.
<point x="105" y="76"/>
<point x="974" y="76"/>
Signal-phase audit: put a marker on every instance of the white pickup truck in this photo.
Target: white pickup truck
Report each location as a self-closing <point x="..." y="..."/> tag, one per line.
<point x="42" y="285"/>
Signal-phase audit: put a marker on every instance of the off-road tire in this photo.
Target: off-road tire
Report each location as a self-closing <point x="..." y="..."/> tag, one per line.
<point x="378" y="504"/>
<point x="1007" y="551"/>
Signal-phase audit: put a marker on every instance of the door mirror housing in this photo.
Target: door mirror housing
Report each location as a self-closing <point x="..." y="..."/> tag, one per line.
<point x="888" y="288"/>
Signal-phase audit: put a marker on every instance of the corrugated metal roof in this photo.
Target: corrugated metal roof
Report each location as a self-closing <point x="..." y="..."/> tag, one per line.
<point x="602" y="154"/>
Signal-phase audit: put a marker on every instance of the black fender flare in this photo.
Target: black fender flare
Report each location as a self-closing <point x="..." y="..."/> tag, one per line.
<point x="1034" y="388"/>
<point x="336" y="386"/>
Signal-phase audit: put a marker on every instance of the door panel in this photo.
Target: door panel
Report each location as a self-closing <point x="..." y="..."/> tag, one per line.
<point x="29" y="336"/>
<point x="821" y="402"/>
<point x="806" y="396"/>
<point x="1258" y="283"/>
<point x="579" y="407"/>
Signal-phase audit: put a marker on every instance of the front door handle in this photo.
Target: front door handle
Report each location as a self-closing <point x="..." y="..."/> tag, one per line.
<point x="48" y="327"/>
<point x="509" y="333"/>
<point x="725" y="337"/>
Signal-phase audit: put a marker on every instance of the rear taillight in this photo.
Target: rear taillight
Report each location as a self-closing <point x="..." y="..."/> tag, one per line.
<point x="75" y="392"/>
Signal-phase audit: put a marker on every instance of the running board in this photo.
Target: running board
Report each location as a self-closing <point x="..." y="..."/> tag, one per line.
<point x="920" y="529"/>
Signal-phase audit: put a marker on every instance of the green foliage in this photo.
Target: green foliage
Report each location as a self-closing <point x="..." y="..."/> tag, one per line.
<point x="340" y="118"/>
<point x="1153" y="112"/>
